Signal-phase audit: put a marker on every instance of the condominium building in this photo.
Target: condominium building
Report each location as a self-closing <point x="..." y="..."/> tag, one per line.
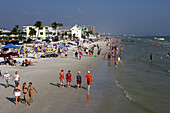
<point x="91" y="28"/>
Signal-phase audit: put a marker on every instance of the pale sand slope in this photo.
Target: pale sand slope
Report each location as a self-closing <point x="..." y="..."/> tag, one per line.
<point x="45" y="77"/>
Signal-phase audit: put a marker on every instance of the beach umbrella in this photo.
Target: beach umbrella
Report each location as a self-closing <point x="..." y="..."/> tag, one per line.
<point x="10" y="46"/>
<point x="62" y="46"/>
<point x="36" y="49"/>
<point x="21" y="49"/>
<point x="48" y="51"/>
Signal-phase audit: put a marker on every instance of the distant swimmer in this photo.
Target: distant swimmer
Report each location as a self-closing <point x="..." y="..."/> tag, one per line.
<point x="168" y="56"/>
<point x="134" y="59"/>
<point x="159" y="46"/>
<point x="151" y="57"/>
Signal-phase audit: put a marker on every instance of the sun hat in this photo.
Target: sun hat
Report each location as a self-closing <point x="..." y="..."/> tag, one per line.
<point x="6" y="72"/>
<point x="88" y="72"/>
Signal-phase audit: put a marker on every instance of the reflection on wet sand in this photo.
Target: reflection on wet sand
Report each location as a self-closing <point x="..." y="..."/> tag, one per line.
<point x="87" y="101"/>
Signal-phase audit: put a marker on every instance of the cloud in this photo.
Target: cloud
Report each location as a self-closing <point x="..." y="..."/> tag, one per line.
<point x="32" y="13"/>
<point x="79" y="10"/>
<point x="165" y="14"/>
<point x="69" y="16"/>
<point x="26" y="13"/>
<point x="38" y="13"/>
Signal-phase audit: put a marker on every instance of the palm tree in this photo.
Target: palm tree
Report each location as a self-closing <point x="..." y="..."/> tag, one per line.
<point x="74" y="36"/>
<point x="54" y="25"/>
<point x="38" y="24"/>
<point x="70" y="36"/>
<point x="32" y="32"/>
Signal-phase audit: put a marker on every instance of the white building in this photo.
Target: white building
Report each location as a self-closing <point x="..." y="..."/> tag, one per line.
<point x="77" y="31"/>
<point x="44" y="32"/>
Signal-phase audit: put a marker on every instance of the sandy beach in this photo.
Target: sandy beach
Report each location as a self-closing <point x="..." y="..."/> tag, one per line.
<point x="45" y="78"/>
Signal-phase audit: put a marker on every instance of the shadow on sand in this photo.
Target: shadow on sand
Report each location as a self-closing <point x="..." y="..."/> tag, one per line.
<point x="5" y="85"/>
<point x="13" y="100"/>
<point x="72" y="86"/>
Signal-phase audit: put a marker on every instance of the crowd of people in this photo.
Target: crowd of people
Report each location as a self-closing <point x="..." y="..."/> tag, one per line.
<point x="18" y="90"/>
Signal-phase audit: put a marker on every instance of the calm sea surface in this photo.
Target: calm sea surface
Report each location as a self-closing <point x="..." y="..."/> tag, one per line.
<point x="144" y="83"/>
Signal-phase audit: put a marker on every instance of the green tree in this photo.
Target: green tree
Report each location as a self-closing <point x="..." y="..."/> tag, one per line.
<point x="70" y="36"/>
<point x="54" y="25"/>
<point x="65" y="33"/>
<point x="38" y="24"/>
<point x="87" y="34"/>
<point x="32" y="32"/>
<point x="74" y="36"/>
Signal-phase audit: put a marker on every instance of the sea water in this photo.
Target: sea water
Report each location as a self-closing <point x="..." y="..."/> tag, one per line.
<point x="145" y="83"/>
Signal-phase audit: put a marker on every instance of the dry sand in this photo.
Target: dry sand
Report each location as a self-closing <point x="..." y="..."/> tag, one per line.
<point x="45" y="78"/>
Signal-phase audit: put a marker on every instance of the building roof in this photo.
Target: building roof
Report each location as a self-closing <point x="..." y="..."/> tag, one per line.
<point x="64" y="28"/>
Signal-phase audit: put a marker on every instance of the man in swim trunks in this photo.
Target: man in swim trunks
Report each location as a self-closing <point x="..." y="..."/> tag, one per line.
<point x="62" y="78"/>
<point x="89" y="79"/>
<point x="68" y="77"/>
<point x="16" y="77"/>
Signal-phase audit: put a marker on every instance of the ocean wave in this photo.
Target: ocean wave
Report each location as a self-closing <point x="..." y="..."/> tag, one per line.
<point x="127" y="95"/>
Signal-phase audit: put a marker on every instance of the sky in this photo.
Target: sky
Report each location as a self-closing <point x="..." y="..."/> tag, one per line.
<point x="139" y="17"/>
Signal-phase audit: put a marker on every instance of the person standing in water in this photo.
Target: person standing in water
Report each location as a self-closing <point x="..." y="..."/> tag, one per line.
<point x="89" y="79"/>
<point x="62" y="78"/>
<point x="24" y="92"/>
<point x="68" y="78"/>
<point x="17" y="92"/>
<point x="30" y="88"/>
<point x="151" y="57"/>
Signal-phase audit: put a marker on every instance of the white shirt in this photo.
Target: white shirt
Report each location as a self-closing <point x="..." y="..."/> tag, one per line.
<point x="6" y="76"/>
<point x="16" y="77"/>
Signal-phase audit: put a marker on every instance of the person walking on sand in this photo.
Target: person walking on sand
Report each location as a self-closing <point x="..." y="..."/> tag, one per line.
<point x="30" y="88"/>
<point x="17" y="92"/>
<point x="62" y="78"/>
<point x="0" y="73"/>
<point x="24" y="92"/>
<point x="79" y="80"/>
<point x="80" y="53"/>
<point x="68" y="77"/>
<point x="89" y="79"/>
<point x="7" y="77"/>
<point x="16" y="77"/>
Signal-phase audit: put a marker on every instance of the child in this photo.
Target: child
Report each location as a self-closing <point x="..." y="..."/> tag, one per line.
<point x="79" y="80"/>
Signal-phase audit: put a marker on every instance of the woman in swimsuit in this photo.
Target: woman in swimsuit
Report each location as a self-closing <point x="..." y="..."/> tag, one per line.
<point x="17" y="92"/>
<point x="25" y="91"/>
<point x="30" y="88"/>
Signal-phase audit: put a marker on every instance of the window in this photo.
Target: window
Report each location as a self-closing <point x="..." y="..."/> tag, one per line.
<point x="41" y="33"/>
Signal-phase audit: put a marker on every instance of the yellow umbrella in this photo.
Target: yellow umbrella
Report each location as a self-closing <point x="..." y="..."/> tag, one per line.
<point x="48" y="51"/>
<point x="21" y="49"/>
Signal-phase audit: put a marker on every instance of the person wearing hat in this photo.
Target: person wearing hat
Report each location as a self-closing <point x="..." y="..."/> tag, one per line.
<point x="7" y="77"/>
<point x="79" y="80"/>
<point x="88" y="78"/>
<point x="68" y="78"/>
